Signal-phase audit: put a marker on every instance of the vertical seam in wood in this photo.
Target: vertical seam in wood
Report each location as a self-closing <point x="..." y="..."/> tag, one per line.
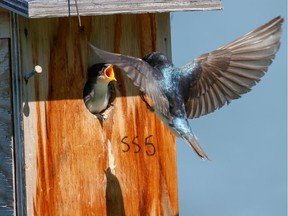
<point x="117" y="33"/>
<point x="153" y="30"/>
<point x="16" y="78"/>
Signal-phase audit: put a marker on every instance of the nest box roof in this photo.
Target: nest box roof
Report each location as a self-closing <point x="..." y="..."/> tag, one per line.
<point x="62" y="8"/>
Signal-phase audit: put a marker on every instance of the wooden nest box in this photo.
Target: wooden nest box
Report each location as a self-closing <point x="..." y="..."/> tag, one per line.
<point x="56" y="157"/>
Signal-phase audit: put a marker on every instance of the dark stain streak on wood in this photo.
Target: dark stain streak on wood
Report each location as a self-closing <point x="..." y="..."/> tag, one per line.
<point x="117" y="33"/>
<point x="153" y="31"/>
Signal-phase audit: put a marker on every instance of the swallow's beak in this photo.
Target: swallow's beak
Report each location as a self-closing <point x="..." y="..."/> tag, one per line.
<point x="109" y="73"/>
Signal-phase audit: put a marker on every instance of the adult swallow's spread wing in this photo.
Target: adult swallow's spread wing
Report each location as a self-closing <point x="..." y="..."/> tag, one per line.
<point x="233" y="69"/>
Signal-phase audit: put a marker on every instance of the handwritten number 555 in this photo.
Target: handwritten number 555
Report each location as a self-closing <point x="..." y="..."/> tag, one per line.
<point x="149" y="146"/>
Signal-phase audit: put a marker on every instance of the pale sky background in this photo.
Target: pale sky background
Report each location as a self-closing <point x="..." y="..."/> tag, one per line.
<point x="246" y="140"/>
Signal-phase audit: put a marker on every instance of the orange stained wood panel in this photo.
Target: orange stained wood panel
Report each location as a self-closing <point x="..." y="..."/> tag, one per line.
<point x="74" y="164"/>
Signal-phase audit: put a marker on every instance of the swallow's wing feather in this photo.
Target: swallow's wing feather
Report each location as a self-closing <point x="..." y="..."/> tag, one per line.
<point x="88" y="93"/>
<point x="141" y="73"/>
<point x="230" y="71"/>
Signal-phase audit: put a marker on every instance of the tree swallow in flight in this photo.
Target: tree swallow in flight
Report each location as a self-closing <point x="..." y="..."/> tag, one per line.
<point x="205" y="84"/>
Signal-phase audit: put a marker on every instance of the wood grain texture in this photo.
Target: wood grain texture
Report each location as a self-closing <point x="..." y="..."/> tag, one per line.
<point x="6" y="141"/>
<point x="62" y="8"/>
<point x="75" y="165"/>
<point x="4" y="23"/>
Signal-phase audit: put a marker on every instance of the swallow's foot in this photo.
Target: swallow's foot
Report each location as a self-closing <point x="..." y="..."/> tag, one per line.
<point x="101" y="117"/>
<point x="105" y="114"/>
<point x="142" y="95"/>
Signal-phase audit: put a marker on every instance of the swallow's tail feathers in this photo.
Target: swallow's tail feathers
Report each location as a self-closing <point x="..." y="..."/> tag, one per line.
<point x="193" y="142"/>
<point x="181" y="128"/>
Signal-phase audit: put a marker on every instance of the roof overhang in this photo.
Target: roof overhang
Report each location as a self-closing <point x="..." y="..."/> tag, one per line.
<point x="64" y="8"/>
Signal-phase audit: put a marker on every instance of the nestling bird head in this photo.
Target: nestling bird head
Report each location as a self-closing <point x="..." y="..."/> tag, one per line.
<point x="101" y="72"/>
<point x="109" y="73"/>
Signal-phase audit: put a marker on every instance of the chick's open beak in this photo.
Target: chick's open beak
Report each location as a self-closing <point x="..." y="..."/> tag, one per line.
<point x="109" y="73"/>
